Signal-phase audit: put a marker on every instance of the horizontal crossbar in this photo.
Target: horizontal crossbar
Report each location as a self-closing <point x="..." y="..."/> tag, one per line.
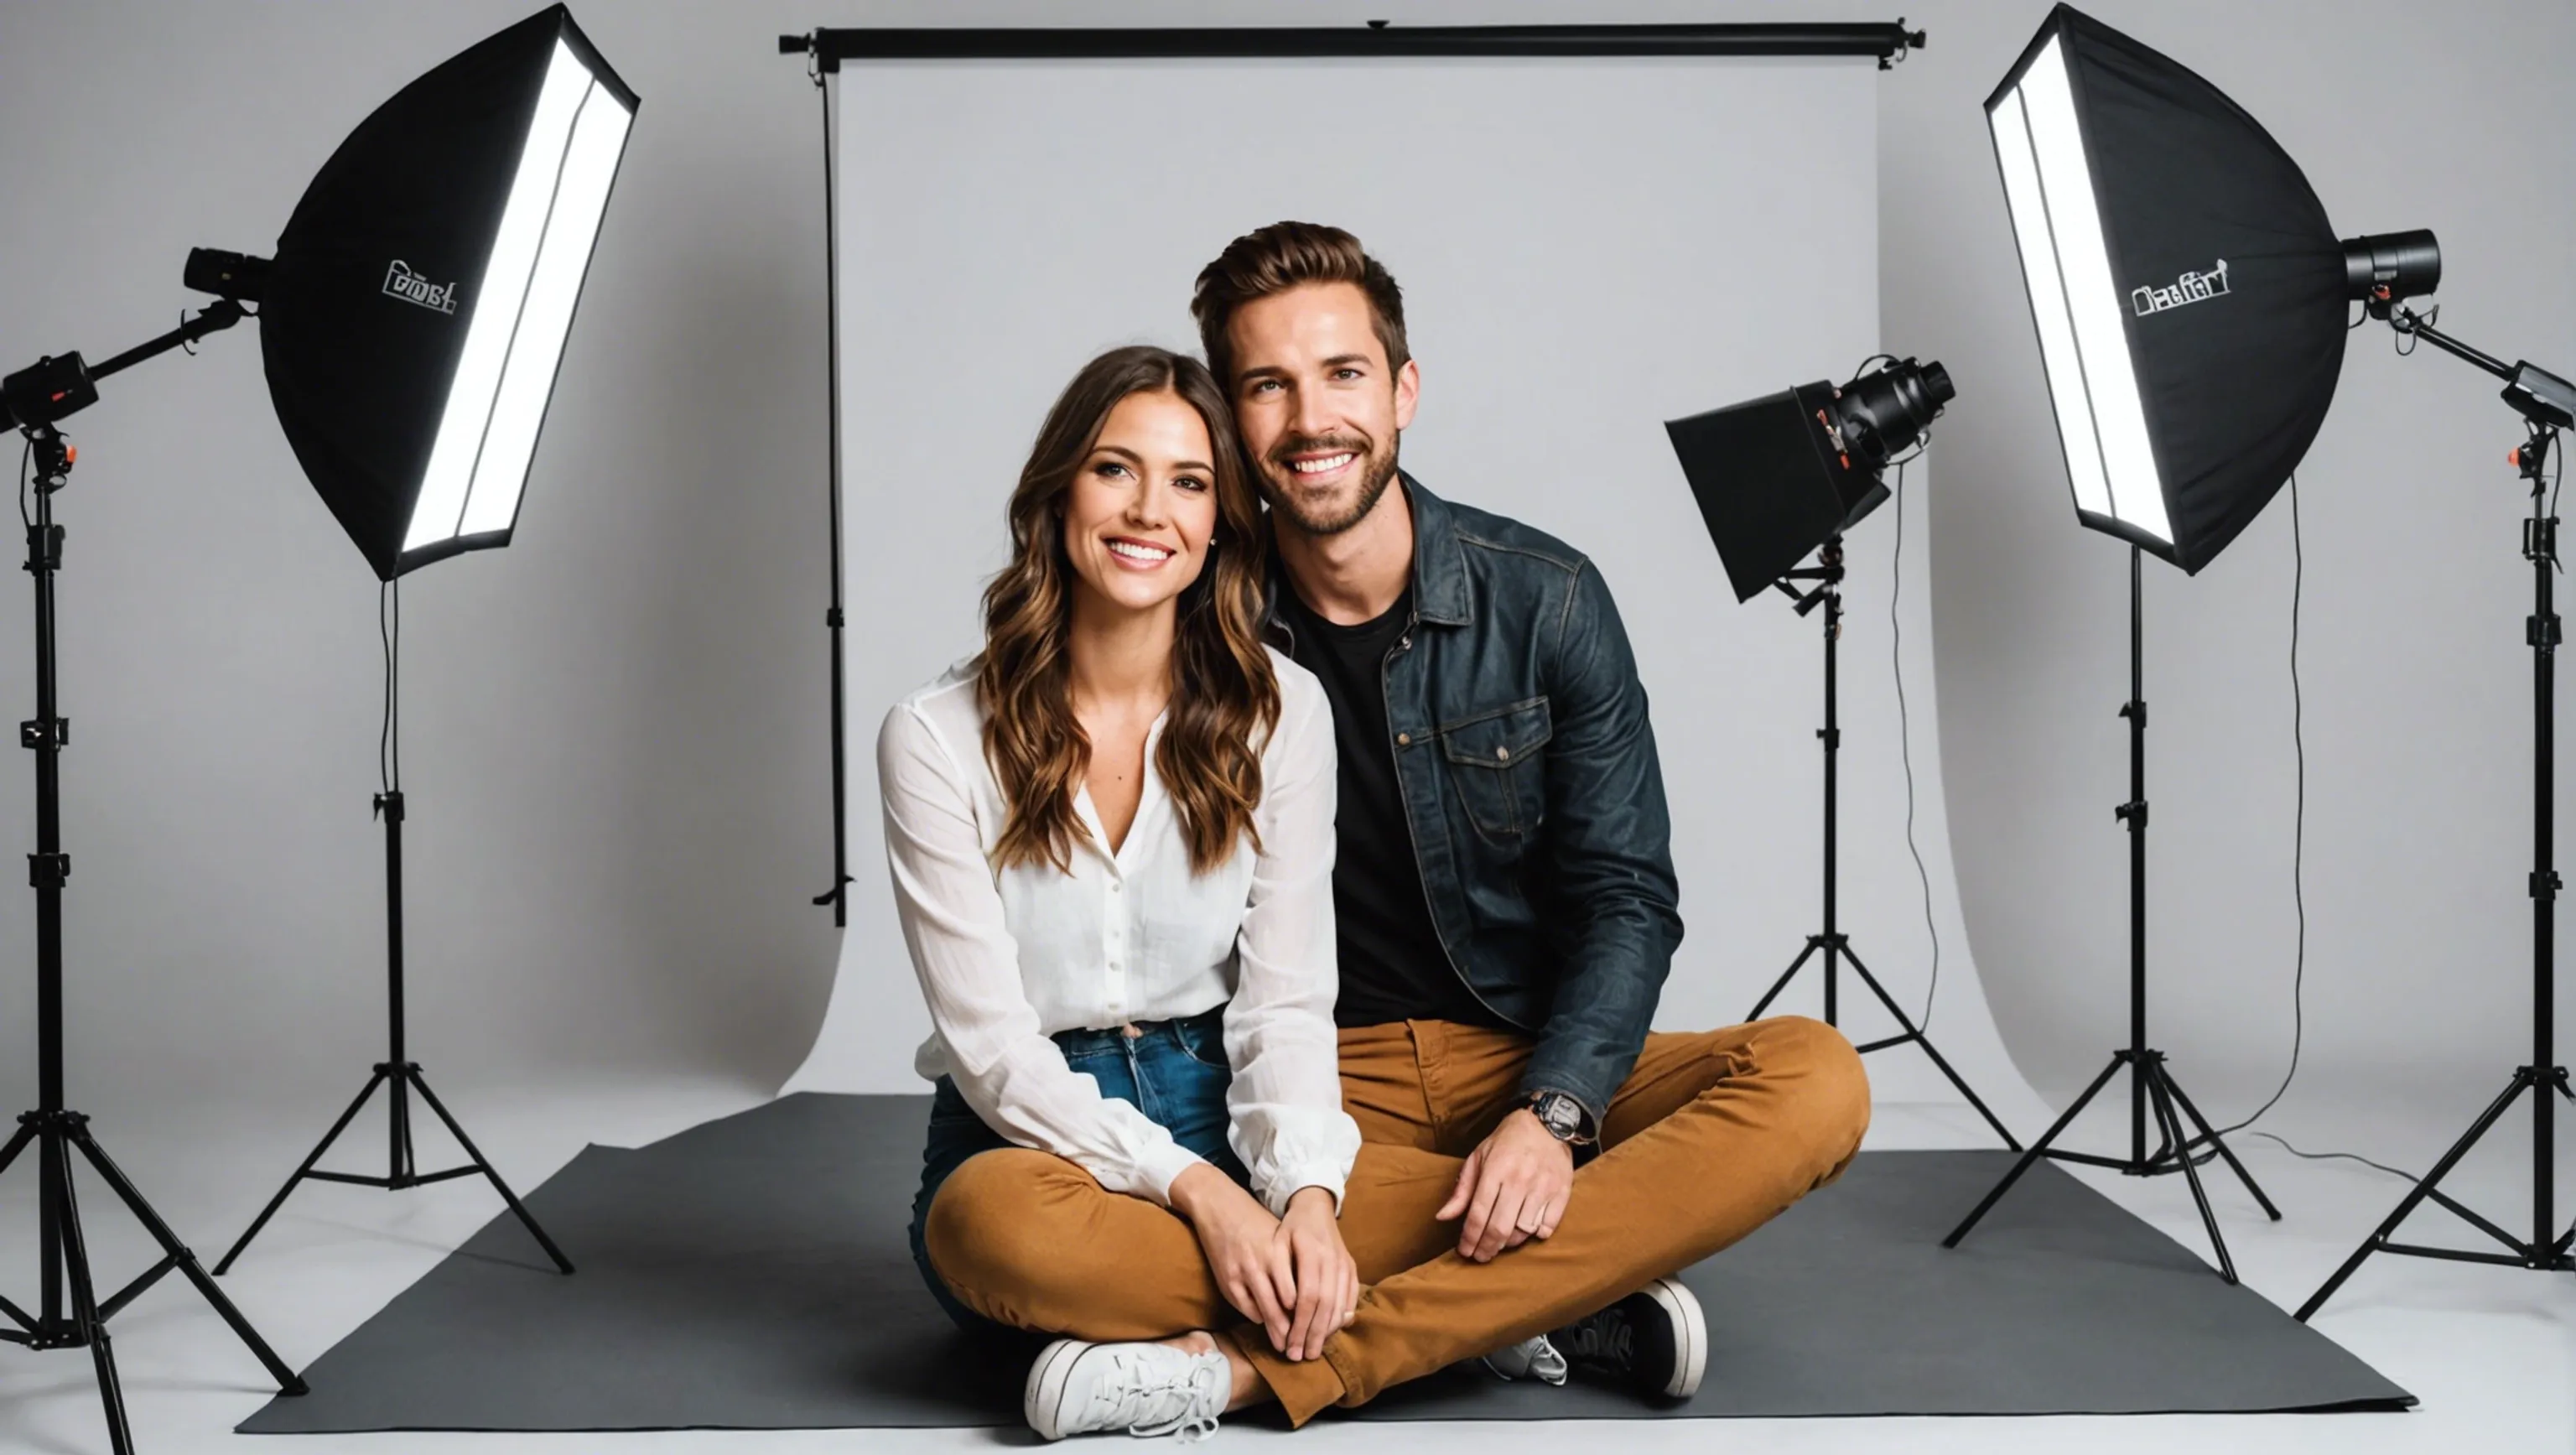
<point x="2116" y="1164"/>
<point x="833" y="45"/>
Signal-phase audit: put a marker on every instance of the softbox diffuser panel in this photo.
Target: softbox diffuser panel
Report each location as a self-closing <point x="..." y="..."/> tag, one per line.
<point x="404" y="312"/>
<point x="2220" y="265"/>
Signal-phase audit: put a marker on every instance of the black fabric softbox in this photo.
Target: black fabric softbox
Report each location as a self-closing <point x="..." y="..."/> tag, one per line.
<point x="385" y="273"/>
<point x="2207" y="245"/>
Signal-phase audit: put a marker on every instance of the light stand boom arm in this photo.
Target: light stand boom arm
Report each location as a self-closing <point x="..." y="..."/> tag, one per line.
<point x="60" y="385"/>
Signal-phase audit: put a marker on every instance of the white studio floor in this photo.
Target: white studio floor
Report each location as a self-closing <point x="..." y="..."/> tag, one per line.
<point x="2490" y="1352"/>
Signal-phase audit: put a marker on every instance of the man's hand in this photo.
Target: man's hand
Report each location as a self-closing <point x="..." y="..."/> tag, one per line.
<point x="1246" y="1248"/>
<point x="1513" y="1188"/>
<point x="1328" y="1282"/>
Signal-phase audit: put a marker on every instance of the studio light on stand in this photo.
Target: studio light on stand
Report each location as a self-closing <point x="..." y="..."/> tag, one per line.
<point x="2385" y="271"/>
<point x="2192" y="306"/>
<point x="1779" y="479"/>
<point x="411" y="321"/>
<point x="69" y="1313"/>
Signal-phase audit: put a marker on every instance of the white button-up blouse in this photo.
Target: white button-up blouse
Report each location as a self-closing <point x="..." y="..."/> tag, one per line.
<point x="1008" y="958"/>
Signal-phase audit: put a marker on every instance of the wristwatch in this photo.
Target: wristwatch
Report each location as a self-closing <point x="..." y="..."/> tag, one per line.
<point x="1563" y="1116"/>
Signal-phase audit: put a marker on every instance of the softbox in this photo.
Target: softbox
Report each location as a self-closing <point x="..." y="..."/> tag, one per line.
<point x="2188" y="289"/>
<point x="420" y="294"/>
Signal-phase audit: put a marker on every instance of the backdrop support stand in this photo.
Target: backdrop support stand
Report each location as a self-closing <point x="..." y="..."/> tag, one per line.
<point x="2152" y="1088"/>
<point x="1833" y="944"/>
<point x="838" y="896"/>
<point x="53" y="1129"/>
<point x="2547" y="1250"/>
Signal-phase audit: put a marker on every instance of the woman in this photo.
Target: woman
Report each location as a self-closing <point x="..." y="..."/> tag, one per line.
<point x="1111" y="835"/>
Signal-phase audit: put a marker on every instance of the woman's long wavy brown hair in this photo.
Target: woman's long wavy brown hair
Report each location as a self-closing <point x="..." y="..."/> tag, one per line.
<point x="1224" y="697"/>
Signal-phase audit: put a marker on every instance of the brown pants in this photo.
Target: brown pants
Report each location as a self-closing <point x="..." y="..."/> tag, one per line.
<point x="1712" y="1136"/>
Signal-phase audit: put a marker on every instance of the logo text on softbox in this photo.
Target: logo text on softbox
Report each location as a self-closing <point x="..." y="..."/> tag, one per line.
<point x="401" y="282"/>
<point x="2191" y="287"/>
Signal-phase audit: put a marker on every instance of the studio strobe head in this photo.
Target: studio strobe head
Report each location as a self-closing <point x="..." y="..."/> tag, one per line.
<point x="1880" y="415"/>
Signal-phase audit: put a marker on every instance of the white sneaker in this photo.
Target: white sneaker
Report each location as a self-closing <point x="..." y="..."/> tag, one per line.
<point x="1078" y="1388"/>
<point x="1531" y="1358"/>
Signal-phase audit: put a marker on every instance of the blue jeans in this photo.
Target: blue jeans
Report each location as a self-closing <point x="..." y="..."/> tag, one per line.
<point x="1175" y="1073"/>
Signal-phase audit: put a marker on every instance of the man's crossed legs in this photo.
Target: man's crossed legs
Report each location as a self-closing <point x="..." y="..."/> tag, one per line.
<point x="1712" y="1135"/>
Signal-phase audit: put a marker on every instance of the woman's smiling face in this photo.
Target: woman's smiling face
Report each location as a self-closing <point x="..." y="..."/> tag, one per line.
<point x="1141" y="510"/>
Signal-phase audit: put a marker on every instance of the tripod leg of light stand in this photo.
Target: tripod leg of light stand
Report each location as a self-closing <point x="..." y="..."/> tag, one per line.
<point x="2160" y="1091"/>
<point x="17" y="1144"/>
<point x="1813" y="944"/>
<point x="288" y="1382"/>
<point x="86" y="1322"/>
<point x="224" y="1265"/>
<point x="2212" y="1138"/>
<point x="421" y="1084"/>
<point x="2413" y="1199"/>
<point x="2035" y="1151"/>
<point x="1915" y="1034"/>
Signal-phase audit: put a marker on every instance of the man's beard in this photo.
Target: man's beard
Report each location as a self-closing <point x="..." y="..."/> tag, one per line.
<point x="1377" y="472"/>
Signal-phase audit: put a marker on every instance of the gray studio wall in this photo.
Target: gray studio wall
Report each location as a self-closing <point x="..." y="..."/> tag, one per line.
<point x="2417" y="685"/>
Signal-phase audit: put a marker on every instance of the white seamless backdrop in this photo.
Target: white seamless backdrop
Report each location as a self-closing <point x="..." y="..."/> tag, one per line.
<point x="1587" y="248"/>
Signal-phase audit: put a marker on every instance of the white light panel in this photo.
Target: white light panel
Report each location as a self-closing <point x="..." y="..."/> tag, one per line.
<point x="2067" y="268"/>
<point x="488" y="432"/>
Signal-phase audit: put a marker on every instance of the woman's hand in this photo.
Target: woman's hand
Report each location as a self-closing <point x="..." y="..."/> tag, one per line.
<point x="1246" y="1248"/>
<point x="1328" y="1282"/>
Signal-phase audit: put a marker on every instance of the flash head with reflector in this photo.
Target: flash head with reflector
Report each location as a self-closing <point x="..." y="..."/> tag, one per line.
<point x="1779" y="476"/>
<point x="1779" y="479"/>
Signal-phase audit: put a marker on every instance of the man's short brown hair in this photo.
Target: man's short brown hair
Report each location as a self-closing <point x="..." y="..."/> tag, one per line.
<point x="1282" y="256"/>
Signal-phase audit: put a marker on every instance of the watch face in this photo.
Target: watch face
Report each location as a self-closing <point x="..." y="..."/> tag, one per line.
<point x="1560" y="1114"/>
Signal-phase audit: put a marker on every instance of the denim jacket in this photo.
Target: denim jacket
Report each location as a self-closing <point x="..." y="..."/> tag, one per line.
<point x="1530" y="781"/>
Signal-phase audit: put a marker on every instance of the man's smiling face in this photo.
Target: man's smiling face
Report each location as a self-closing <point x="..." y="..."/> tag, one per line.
<point x="1319" y="408"/>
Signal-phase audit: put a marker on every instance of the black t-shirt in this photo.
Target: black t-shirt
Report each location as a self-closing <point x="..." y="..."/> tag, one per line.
<point x="1393" y="967"/>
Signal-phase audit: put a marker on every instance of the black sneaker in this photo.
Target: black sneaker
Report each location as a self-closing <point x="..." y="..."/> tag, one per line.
<point x="1654" y="1341"/>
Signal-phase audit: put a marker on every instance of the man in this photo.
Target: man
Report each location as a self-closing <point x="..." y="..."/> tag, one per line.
<point x="1506" y="911"/>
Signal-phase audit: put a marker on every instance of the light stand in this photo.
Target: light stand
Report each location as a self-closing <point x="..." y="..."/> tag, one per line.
<point x="1832" y="944"/>
<point x="400" y="1077"/>
<point x="2152" y="1088"/>
<point x="35" y="399"/>
<point x="2547" y="404"/>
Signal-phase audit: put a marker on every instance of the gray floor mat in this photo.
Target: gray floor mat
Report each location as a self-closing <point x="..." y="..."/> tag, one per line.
<point x="750" y="1273"/>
